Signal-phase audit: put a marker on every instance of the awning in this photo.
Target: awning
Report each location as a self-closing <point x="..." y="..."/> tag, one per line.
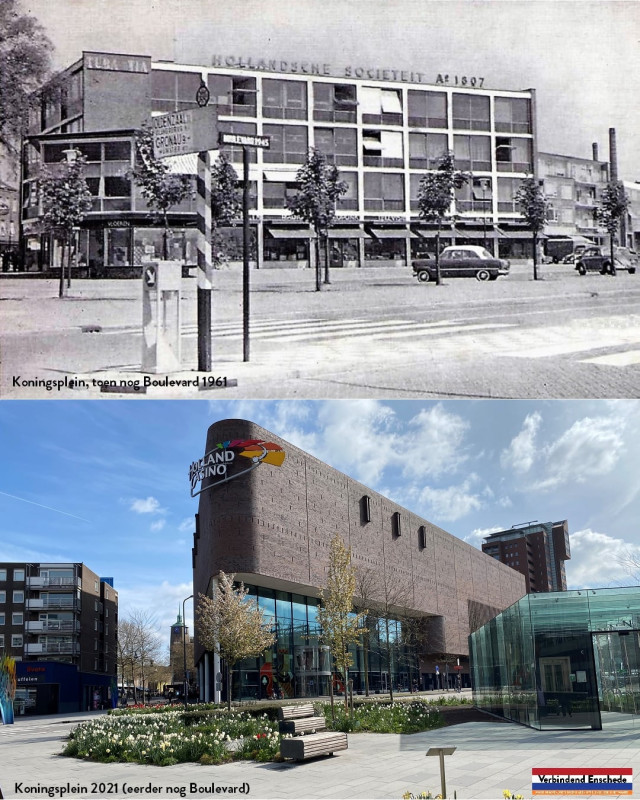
<point x="458" y="233"/>
<point x="389" y="233"/>
<point x="283" y="176"/>
<point x="290" y="233"/>
<point x="348" y="233"/>
<point x="508" y="234"/>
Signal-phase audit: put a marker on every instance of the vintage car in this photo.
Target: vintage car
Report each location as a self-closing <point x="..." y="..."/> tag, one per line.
<point x="461" y="261"/>
<point x="596" y="259"/>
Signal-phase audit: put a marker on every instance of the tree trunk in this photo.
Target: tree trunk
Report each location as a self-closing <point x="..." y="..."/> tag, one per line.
<point x="535" y="256"/>
<point x="365" y="658"/>
<point x="326" y="258"/>
<point x="229" y="687"/>
<point x="71" y="255"/>
<point x="165" y="238"/>
<point x="611" y="251"/>
<point x="61" y="285"/>
<point x="333" y="713"/>
<point x="316" y="247"/>
<point x="438" y="281"/>
<point x="389" y="664"/>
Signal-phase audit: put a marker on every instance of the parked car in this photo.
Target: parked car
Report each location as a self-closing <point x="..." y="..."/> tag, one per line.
<point x="461" y="261"/>
<point x="571" y="258"/>
<point x="594" y="259"/>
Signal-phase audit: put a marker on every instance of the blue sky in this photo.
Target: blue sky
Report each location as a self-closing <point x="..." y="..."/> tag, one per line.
<point x="581" y="56"/>
<point x="106" y="482"/>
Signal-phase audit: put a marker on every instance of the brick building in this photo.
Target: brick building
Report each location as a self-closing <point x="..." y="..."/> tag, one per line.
<point x="537" y="550"/>
<point x="267" y="512"/>
<point x="59" y="622"/>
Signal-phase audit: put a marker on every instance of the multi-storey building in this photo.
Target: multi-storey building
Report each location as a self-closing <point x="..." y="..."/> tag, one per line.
<point x="9" y="209"/>
<point x="59" y="622"/>
<point x="382" y="128"/>
<point x="632" y="226"/>
<point x="267" y="513"/>
<point x="537" y="550"/>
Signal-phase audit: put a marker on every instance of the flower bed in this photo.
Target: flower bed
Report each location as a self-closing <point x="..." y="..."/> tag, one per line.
<point x="379" y="717"/>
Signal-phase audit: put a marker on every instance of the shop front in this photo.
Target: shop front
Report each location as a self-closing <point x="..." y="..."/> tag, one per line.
<point x="54" y="687"/>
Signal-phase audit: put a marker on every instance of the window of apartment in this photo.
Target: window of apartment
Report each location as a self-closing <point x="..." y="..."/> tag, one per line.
<point x="288" y="144"/>
<point x="381" y="106"/>
<point x="3" y="596"/>
<point x="117" y="151"/>
<point x="426" y="149"/>
<point x="18" y="596"/>
<point x="334" y="102"/>
<point x="513" y="154"/>
<point x="174" y="91"/>
<point x="339" y="145"/>
<point x="71" y="96"/>
<point x="277" y="193"/>
<point x="471" y="112"/>
<point x="95" y="624"/>
<point x="472" y="152"/>
<point x="17" y="618"/>
<point x="95" y="605"/>
<point x="95" y="644"/>
<point x="3" y="574"/>
<point x="383" y="191"/>
<point x="96" y="586"/>
<point x="475" y="195"/>
<point x="16" y="640"/>
<point x="284" y="99"/>
<point x="507" y="188"/>
<point x="2" y="618"/>
<point x="427" y="109"/>
<point x="382" y="148"/>
<point x="396" y="524"/>
<point x="349" y="200"/>
<point x="513" y="114"/>
<point x="18" y="574"/>
<point x="1" y="640"/>
<point x="234" y="95"/>
<point x="235" y="154"/>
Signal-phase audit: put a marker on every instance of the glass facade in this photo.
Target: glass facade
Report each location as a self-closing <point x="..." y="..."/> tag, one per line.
<point x="561" y="660"/>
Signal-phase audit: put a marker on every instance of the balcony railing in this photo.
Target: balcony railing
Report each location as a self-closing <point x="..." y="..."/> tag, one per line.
<point x="46" y="648"/>
<point x="38" y="582"/>
<point x="40" y="603"/>
<point x="53" y="626"/>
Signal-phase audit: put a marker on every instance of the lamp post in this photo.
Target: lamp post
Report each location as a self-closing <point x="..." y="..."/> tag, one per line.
<point x="184" y="649"/>
<point x="484" y="184"/>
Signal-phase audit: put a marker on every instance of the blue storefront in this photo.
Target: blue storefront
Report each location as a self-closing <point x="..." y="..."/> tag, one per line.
<point x="52" y="687"/>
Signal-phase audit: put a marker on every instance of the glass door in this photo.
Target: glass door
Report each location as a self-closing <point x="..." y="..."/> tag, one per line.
<point x="618" y="657"/>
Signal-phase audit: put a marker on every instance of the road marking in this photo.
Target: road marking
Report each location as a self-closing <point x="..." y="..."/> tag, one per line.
<point x="615" y="359"/>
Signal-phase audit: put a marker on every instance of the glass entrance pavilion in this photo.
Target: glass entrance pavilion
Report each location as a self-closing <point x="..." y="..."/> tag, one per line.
<point x="561" y="660"/>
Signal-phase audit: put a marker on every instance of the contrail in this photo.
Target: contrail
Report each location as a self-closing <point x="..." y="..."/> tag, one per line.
<point x="57" y="510"/>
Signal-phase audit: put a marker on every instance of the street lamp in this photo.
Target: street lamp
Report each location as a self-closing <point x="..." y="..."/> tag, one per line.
<point x="184" y="649"/>
<point x="484" y="184"/>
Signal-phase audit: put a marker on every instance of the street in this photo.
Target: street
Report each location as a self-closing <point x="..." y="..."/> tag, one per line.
<point x="371" y="333"/>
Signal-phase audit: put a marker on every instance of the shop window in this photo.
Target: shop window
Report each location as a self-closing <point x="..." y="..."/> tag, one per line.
<point x="235" y="154"/>
<point x="396" y="523"/>
<point x="338" y="145"/>
<point x="383" y="191"/>
<point x="118" y="247"/>
<point x="334" y="102"/>
<point x="365" y="508"/>
<point x="284" y="99"/>
<point x="472" y="153"/>
<point x="381" y="106"/>
<point x="513" y="115"/>
<point x="427" y="109"/>
<point x="233" y="94"/>
<point x="385" y="249"/>
<point x="18" y="574"/>
<point x="426" y="149"/>
<point x="471" y="112"/>
<point x="513" y="154"/>
<point x="288" y="144"/>
<point x="174" y="91"/>
<point x="286" y="249"/>
<point x="382" y="148"/>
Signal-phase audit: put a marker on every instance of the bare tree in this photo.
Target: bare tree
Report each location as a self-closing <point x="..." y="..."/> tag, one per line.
<point x="139" y="645"/>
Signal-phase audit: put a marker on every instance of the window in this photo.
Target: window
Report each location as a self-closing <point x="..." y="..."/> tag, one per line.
<point x="284" y="99"/>
<point x="2" y="618"/>
<point x="16" y="640"/>
<point x="333" y="102"/>
<point x="95" y="605"/>
<point x="471" y="112"/>
<point x="396" y="524"/>
<point x="17" y="618"/>
<point x="174" y="91"/>
<point x="427" y="109"/>
<point x="276" y="194"/>
<point x="426" y="149"/>
<point x="349" y="200"/>
<point x="383" y="191"/>
<point x="117" y="151"/>
<point x="18" y="596"/>
<point x="381" y="106"/>
<point x="18" y="574"/>
<point x="234" y="95"/>
<point x="382" y="148"/>
<point x="3" y="574"/>
<point x="3" y="596"/>
<point x="472" y="152"/>
<point x="513" y="154"/>
<point x="288" y="144"/>
<point x="338" y="145"/>
<point x="475" y="195"/>
<point x="507" y="187"/>
<point x="1" y="640"/>
<point x="513" y="114"/>
<point x="365" y="508"/>
<point x="235" y="154"/>
<point x="422" y="537"/>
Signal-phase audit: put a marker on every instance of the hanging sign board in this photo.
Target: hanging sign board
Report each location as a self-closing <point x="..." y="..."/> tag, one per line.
<point x="181" y="132"/>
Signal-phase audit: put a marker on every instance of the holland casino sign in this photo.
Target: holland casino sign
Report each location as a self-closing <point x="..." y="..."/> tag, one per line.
<point x="225" y="462"/>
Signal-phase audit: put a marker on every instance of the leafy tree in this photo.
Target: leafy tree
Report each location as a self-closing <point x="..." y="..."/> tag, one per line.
<point x="25" y="54"/>
<point x="315" y="202"/>
<point x="66" y="200"/>
<point x="435" y="195"/>
<point x="232" y="625"/>
<point x="160" y="188"/>
<point x="341" y="626"/>
<point x="534" y="207"/>
<point x="226" y="201"/>
<point x="613" y="207"/>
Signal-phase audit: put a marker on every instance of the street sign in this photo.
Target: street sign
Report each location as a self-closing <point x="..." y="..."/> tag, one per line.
<point x="245" y="140"/>
<point x="181" y="132"/>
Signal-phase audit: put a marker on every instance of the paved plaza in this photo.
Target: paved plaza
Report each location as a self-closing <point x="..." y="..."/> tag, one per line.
<point x="489" y="758"/>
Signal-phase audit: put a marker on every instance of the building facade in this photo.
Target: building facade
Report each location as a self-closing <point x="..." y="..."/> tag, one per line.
<point x="537" y="550"/>
<point x="59" y="622"/>
<point x="267" y="513"/>
<point x="562" y="660"/>
<point x="382" y="128"/>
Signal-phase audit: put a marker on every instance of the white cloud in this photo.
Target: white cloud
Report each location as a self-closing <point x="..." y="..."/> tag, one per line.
<point x="588" y="569"/>
<point x="590" y="448"/>
<point x="162" y="601"/>
<point x="453" y="502"/>
<point x="477" y="535"/>
<point x="187" y="525"/>
<point x="522" y="450"/>
<point x="158" y="525"/>
<point x="148" y="506"/>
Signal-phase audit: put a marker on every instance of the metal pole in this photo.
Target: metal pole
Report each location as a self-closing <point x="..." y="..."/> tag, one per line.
<point x="245" y="251"/>
<point x="204" y="261"/>
<point x="443" y="785"/>
<point x="184" y="649"/>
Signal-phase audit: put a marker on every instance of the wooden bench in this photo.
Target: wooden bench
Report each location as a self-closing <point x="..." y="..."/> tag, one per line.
<point x="300" y="720"/>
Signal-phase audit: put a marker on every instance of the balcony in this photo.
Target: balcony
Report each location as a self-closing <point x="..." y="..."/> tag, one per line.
<point x="52" y="648"/>
<point x="52" y="583"/>
<point x="53" y="626"/>
<point x="40" y="604"/>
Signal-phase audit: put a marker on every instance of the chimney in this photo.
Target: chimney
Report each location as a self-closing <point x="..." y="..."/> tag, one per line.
<point x="594" y="147"/>
<point x="613" y="156"/>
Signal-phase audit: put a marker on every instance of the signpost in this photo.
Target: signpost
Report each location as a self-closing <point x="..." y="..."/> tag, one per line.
<point x="246" y="142"/>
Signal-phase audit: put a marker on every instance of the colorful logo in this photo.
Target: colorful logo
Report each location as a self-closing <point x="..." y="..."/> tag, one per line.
<point x="582" y="781"/>
<point x="218" y="463"/>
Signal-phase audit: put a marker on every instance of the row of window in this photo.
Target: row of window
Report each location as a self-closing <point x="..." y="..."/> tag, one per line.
<point x="16" y="641"/>
<point x="18" y="575"/>
<point x="396" y="521"/>
<point x="18" y="596"/>
<point x="17" y="618"/>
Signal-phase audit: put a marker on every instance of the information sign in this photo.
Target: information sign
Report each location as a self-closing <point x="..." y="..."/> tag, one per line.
<point x="245" y="140"/>
<point x="181" y="132"/>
